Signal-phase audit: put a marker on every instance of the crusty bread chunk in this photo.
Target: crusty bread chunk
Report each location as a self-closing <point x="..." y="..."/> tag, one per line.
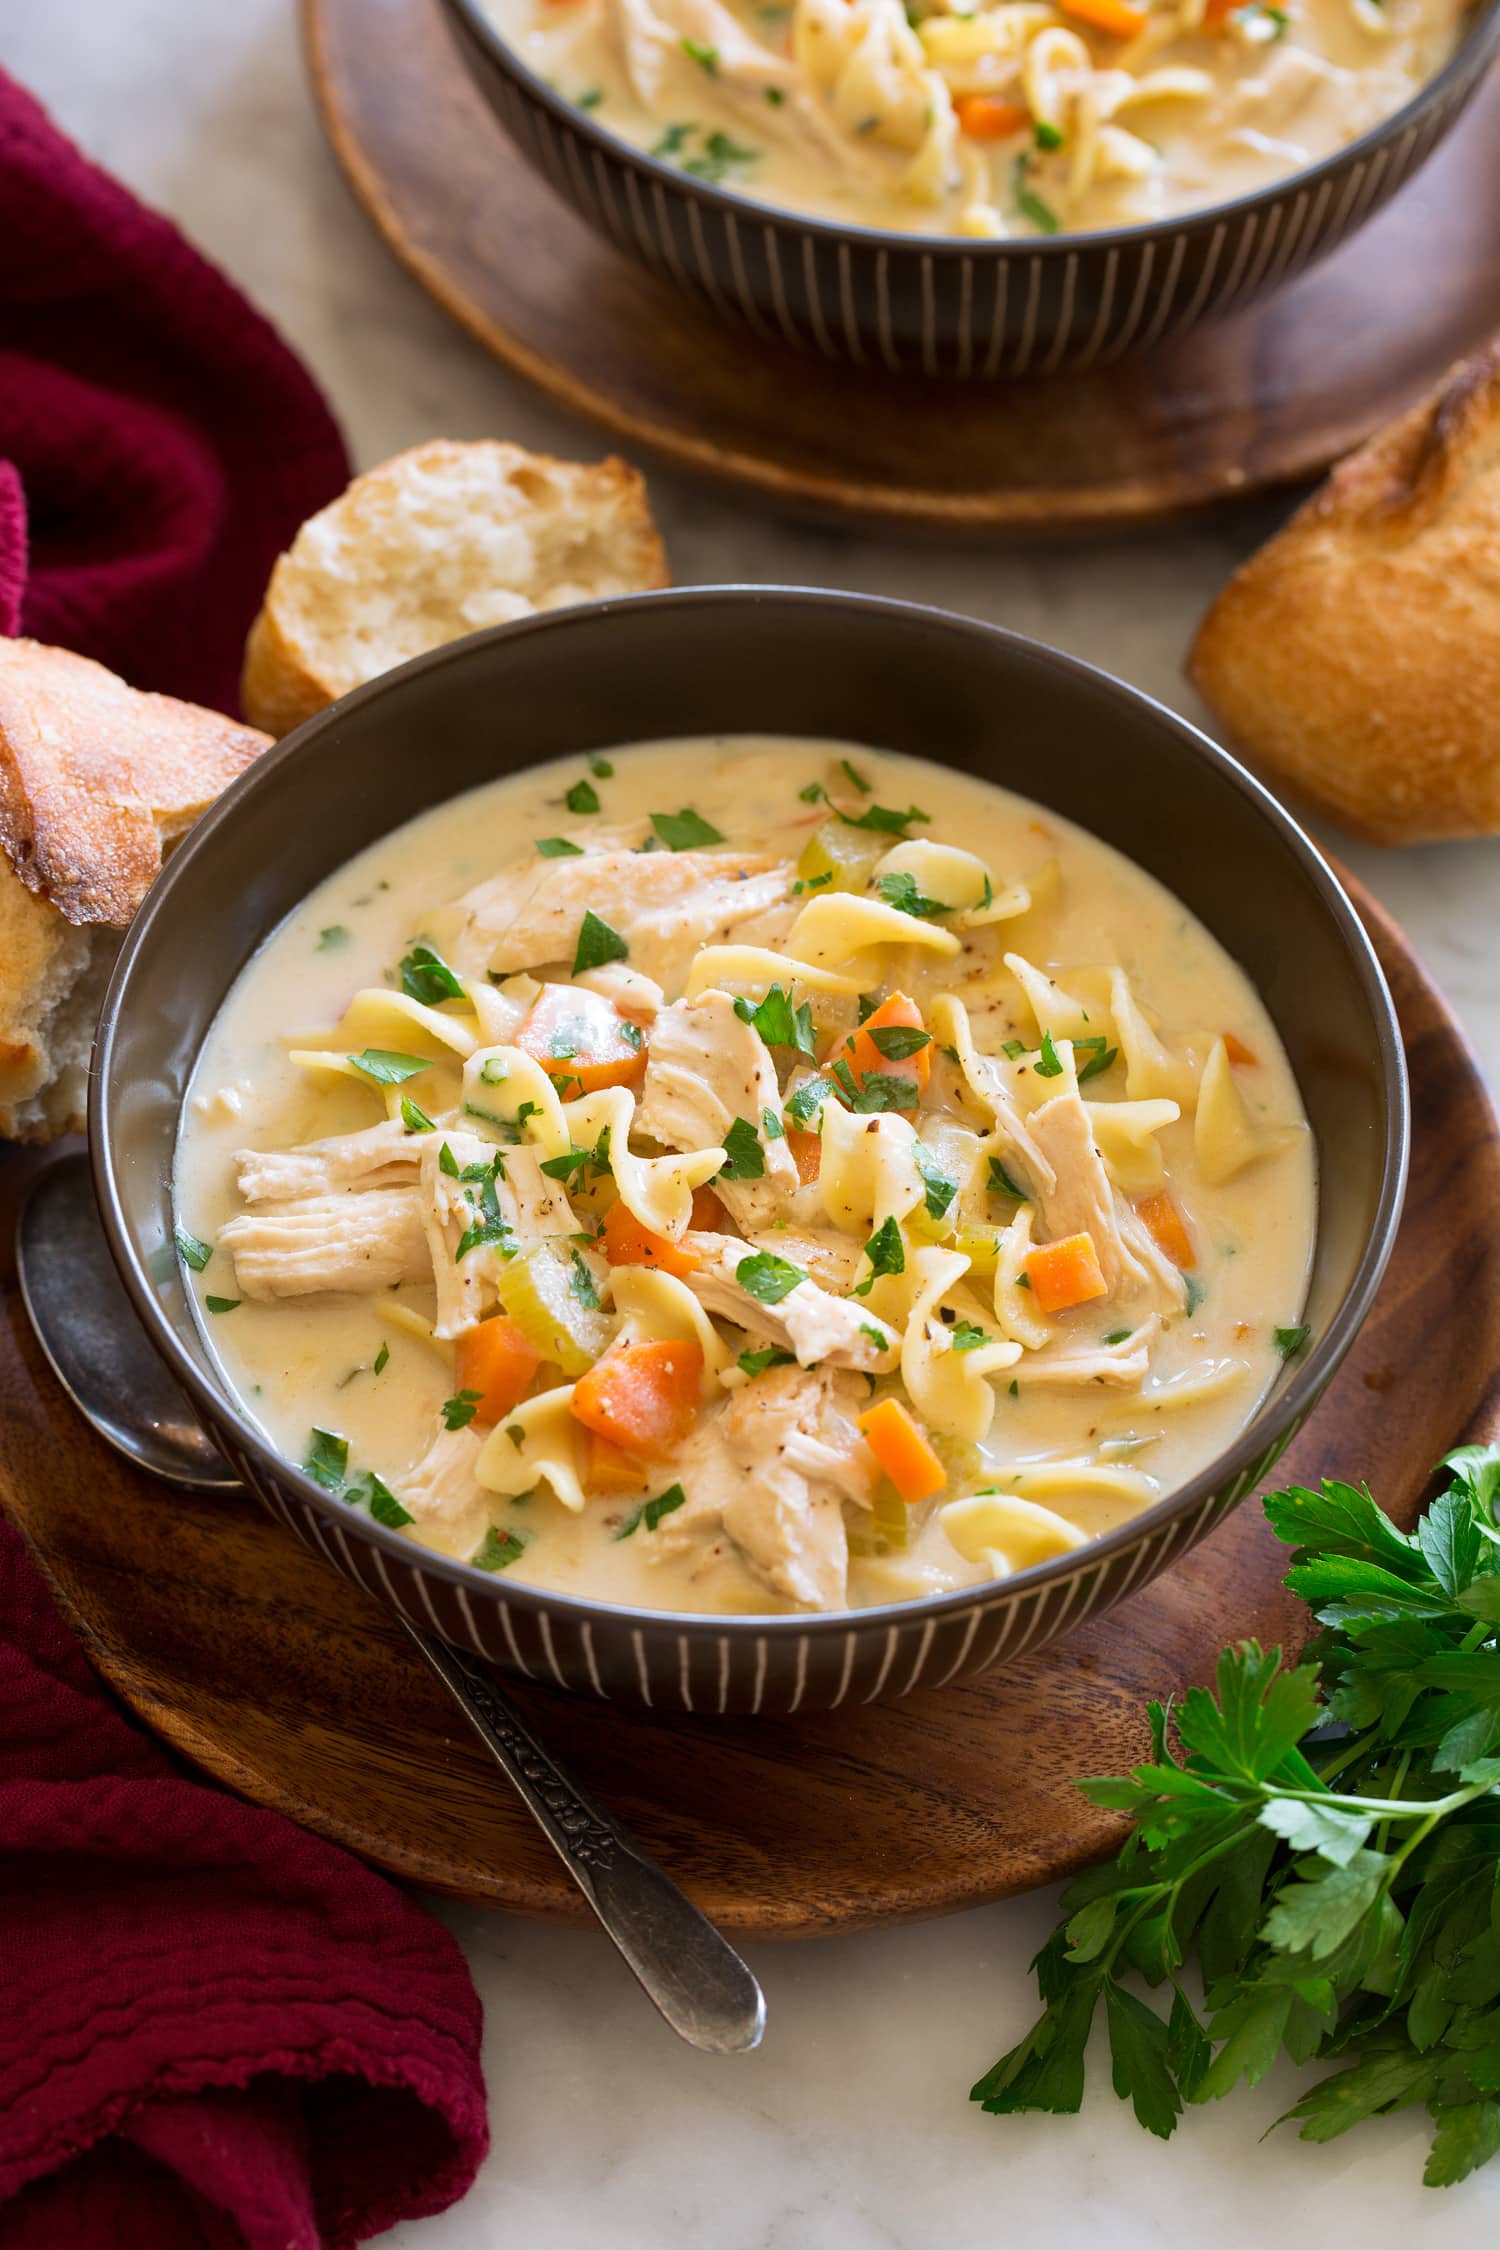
<point x="1357" y="656"/>
<point x="96" y="782"/>
<point x="432" y="545"/>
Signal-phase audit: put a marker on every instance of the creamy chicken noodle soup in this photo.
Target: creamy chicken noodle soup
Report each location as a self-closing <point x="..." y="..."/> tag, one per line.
<point x="743" y="1175"/>
<point x="1021" y="119"/>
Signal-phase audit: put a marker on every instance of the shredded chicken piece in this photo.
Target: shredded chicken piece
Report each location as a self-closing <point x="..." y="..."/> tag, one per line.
<point x="1075" y="1360"/>
<point x="707" y="1069"/>
<point x="320" y="1167"/>
<point x="530" y="1204"/>
<point x="666" y="905"/>
<point x="361" y="1241"/>
<point x="774" y="1471"/>
<point x="831" y="1257"/>
<point x="1084" y="1199"/>
<point x="443" y="1487"/>
<point x="819" y="1329"/>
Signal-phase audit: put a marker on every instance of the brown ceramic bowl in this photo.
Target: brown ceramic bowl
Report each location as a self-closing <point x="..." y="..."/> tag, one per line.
<point x="740" y="659"/>
<point x="936" y="305"/>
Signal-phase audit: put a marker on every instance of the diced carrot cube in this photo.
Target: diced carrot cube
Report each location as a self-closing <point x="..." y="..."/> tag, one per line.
<point x="581" y="1038"/>
<point x="902" y="1450"/>
<point x="861" y="1051"/>
<point x="1065" y="1273"/>
<point x="643" y="1397"/>
<point x="498" y="1360"/>
<point x="627" y="1243"/>
<point x="1167" y="1228"/>
<point x="806" y="1153"/>
<point x="609" y="1468"/>
<point x="984" y="117"/>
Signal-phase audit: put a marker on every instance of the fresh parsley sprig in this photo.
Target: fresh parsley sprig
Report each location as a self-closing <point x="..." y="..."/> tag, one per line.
<point x="1326" y="1838"/>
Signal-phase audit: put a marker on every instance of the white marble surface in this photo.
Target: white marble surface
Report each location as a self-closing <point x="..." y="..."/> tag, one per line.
<point x="850" y="2129"/>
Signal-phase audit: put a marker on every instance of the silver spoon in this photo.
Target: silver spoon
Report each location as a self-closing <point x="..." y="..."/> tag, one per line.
<point x="97" y="1349"/>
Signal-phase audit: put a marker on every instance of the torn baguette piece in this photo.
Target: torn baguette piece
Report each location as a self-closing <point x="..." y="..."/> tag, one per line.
<point x="97" y="781"/>
<point x="1356" y="657"/>
<point x="436" y="543"/>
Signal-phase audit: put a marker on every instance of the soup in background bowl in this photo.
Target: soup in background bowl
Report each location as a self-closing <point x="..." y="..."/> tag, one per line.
<point x="1191" y="914"/>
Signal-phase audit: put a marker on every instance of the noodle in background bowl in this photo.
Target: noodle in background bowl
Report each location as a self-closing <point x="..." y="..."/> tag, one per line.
<point x="907" y="304"/>
<point x="773" y="661"/>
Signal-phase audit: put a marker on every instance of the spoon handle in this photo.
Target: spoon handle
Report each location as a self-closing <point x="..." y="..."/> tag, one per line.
<point x="685" y="1968"/>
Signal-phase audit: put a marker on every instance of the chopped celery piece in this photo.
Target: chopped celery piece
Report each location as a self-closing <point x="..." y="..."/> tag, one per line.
<point x="981" y="1246"/>
<point x="536" y="1289"/>
<point x="889" y="1517"/>
<point x="836" y="858"/>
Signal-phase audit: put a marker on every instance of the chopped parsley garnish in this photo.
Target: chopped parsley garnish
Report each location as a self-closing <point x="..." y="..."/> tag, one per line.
<point x="876" y="1090"/>
<point x="745" y="1159"/>
<point x="941" y="1186"/>
<point x="414" y="1119"/>
<point x="582" y="1283"/>
<point x="898" y="1041"/>
<point x="707" y="58"/>
<point x="332" y="938"/>
<point x="883" y="820"/>
<point x="1195" y="1291"/>
<point x="886" y="1254"/>
<point x="1047" y="137"/>
<point x="770" y="1355"/>
<point x="190" y="1250"/>
<point x="491" y="1229"/>
<point x="967" y="1336"/>
<point x="813" y="794"/>
<point x="775" y="96"/>
<point x="1288" y="1341"/>
<point x="867" y="1003"/>
<point x="1100" y="1056"/>
<point x="1001" y="1183"/>
<point x="719" y="156"/>
<point x="768" y="1278"/>
<point x="448" y="1162"/>
<point x="558" y="847"/>
<point x="382" y="1360"/>
<point x="388" y="1068"/>
<point x="1014" y="1049"/>
<point x="583" y="797"/>
<point x="459" y="1411"/>
<point x="223" y="1304"/>
<point x="494" y="1072"/>
<point x="684" y="831"/>
<point x="672" y="140"/>
<point x="1049" y="1061"/>
<point x="778" y="1022"/>
<point x="900" y="890"/>
<point x="1030" y="205"/>
<point x="590" y="98"/>
<point x="426" y="976"/>
<point x="574" y="1167"/>
<point x="497" y="1550"/>
<point x="601" y="769"/>
<point x="650" y="1512"/>
<point x="1259" y="12"/>
<point x="326" y="1460"/>
<point x="856" y="777"/>
<point x="803" y="1106"/>
<point x="879" y="1337"/>
<point x="597" y="943"/>
<point x="380" y="1500"/>
<point x="1119" y="1336"/>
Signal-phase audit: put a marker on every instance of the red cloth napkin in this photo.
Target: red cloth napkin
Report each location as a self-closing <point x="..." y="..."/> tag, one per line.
<point x="159" y="444"/>
<point x="216" y="2032"/>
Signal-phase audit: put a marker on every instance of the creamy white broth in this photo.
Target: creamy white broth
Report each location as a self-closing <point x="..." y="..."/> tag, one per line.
<point x="1082" y="1458"/>
<point x="864" y="112"/>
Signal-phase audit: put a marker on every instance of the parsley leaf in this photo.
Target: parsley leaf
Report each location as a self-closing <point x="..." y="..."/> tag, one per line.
<point x="886" y="1253"/>
<point x="898" y="1041"/>
<point x="650" y="1512"/>
<point x="684" y="831"/>
<point x="768" y="1278"/>
<point x="222" y="1304"/>
<point x="597" y="943"/>
<point x="380" y="1500"/>
<point x="326" y="1460"/>
<point x="770" y="1355"/>
<point x="1290" y="1342"/>
<point x="388" y="1068"/>
<point x="856" y="777"/>
<point x="1100" y="1056"/>
<point x="558" y="847"/>
<point x="967" y="1336"/>
<point x="883" y="820"/>
<point x="900" y="890"/>
<point x="415" y="1120"/>
<point x="940" y="1184"/>
<point x="583" y="797"/>
<point x="497" y="1550"/>
<point x="582" y="1283"/>
<point x="778" y="1022"/>
<point x="745" y="1159"/>
<point x="458" y="1411"/>
<point x="426" y="976"/>
<point x="807" y="1102"/>
<point x="1001" y="1182"/>
<point x="1048" y="1063"/>
<point x="332" y="938"/>
<point x="190" y="1250"/>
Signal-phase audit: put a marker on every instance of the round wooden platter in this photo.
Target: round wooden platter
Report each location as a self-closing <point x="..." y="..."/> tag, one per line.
<point x="256" y="1661"/>
<point x="1267" y="398"/>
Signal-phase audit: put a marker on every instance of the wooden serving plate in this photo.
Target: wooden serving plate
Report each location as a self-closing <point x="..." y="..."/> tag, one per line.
<point x="1267" y="398"/>
<point x="256" y="1661"/>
